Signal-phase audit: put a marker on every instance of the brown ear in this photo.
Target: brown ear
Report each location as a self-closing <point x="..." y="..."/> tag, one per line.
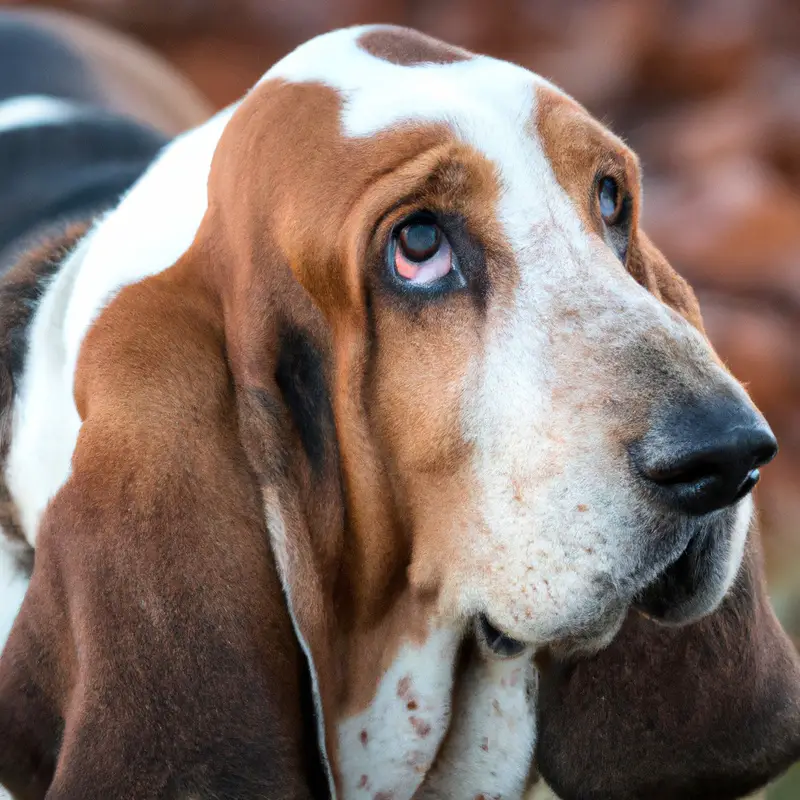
<point x="707" y="711"/>
<point x="154" y="655"/>
<point x="279" y="350"/>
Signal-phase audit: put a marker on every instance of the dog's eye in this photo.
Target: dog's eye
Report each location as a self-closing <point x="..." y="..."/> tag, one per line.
<point x="610" y="199"/>
<point x="422" y="253"/>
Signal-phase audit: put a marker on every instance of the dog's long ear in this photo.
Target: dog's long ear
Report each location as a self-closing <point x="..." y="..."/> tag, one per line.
<point x="707" y="711"/>
<point x="287" y="429"/>
<point x="279" y="350"/>
<point x="281" y="364"/>
<point x="153" y="655"/>
<point x="711" y="710"/>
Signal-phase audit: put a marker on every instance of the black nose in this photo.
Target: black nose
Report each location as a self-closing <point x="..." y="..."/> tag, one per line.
<point x="704" y="455"/>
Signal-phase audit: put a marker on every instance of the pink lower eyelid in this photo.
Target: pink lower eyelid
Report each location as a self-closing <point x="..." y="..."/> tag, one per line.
<point x="426" y="271"/>
<point x="405" y="268"/>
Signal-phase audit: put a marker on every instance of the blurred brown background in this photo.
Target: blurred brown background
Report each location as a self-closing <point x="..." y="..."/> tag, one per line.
<point x="708" y="93"/>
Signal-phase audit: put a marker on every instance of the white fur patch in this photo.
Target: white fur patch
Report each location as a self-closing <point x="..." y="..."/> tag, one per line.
<point x="489" y="747"/>
<point x="45" y="422"/>
<point x="153" y="225"/>
<point x="387" y="750"/>
<point x="30" y="111"/>
<point x="738" y="540"/>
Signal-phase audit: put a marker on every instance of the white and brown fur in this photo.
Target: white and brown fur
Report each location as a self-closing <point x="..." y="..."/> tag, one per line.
<point x="227" y="338"/>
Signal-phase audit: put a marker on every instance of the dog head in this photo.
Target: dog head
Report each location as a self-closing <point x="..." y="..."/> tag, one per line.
<point x="516" y="373"/>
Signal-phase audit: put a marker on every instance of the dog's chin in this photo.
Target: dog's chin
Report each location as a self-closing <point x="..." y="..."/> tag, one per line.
<point x="688" y="586"/>
<point x="581" y="638"/>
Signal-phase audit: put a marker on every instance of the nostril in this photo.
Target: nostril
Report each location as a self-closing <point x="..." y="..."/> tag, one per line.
<point x="748" y="484"/>
<point x="690" y="470"/>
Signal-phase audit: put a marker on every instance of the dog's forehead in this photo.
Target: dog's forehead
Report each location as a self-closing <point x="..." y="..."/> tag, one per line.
<point x="389" y="78"/>
<point x="487" y="103"/>
<point x="376" y="66"/>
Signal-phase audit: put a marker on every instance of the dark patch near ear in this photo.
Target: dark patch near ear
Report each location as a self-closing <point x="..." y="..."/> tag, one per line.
<point x="263" y="416"/>
<point x="21" y="290"/>
<point x="10" y="525"/>
<point x="22" y="287"/>
<point x="407" y="48"/>
<point x="300" y="376"/>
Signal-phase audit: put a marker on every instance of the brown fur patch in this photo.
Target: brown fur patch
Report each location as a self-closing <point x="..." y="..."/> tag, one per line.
<point x="579" y="149"/>
<point x="408" y="48"/>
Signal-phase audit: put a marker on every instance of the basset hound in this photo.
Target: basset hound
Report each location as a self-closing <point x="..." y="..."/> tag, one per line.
<point x="369" y="449"/>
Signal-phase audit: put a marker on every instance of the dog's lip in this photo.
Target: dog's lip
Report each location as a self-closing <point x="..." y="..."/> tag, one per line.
<point x="499" y="643"/>
<point x="652" y="602"/>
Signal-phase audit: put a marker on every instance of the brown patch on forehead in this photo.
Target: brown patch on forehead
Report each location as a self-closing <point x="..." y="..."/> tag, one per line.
<point x="285" y="171"/>
<point x="407" y="48"/>
<point x="580" y="150"/>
